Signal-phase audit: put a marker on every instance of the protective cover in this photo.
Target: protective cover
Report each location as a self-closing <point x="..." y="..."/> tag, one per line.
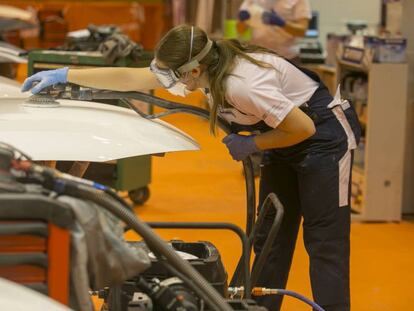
<point x="99" y="255"/>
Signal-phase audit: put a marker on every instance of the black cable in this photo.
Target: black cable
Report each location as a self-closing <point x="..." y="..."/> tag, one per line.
<point x="271" y="201"/>
<point x="14" y="149"/>
<point x="166" y="113"/>
<point x="250" y="195"/>
<point x="134" y="108"/>
<point x="115" y="196"/>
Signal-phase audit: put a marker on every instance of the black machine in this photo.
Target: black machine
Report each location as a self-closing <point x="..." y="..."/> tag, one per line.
<point x="203" y="256"/>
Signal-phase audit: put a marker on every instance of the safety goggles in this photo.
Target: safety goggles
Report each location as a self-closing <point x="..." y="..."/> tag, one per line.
<point x="168" y="77"/>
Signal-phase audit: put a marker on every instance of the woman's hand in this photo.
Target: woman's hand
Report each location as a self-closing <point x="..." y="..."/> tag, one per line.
<point x="45" y="79"/>
<point x="272" y="18"/>
<point x="296" y="27"/>
<point x="240" y="147"/>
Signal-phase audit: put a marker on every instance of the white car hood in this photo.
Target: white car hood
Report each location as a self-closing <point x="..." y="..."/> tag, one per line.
<point x="83" y="131"/>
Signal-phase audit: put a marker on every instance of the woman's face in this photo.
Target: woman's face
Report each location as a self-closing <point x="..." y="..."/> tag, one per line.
<point x="190" y="79"/>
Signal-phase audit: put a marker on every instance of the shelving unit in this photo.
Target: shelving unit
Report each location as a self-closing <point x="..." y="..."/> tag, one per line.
<point x="378" y="172"/>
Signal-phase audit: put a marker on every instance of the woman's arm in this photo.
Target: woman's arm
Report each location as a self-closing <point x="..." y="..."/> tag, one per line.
<point x="114" y="78"/>
<point x="295" y="128"/>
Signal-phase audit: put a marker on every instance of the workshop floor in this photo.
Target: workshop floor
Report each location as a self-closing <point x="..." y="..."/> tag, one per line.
<point x="209" y="186"/>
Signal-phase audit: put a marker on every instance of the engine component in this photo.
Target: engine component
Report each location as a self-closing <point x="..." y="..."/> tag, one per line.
<point x="204" y="257"/>
<point x="171" y="295"/>
<point x="140" y="302"/>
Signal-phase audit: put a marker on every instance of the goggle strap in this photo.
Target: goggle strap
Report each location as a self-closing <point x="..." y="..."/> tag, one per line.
<point x="191" y="43"/>
<point x="194" y="62"/>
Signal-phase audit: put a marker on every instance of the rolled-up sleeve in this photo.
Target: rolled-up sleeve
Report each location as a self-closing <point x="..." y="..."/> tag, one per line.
<point x="262" y="100"/>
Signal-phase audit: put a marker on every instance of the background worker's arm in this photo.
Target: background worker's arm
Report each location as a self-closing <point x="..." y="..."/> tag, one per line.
<point x="297" y="28"/>
<point x="114" y="78"/>
<point x="295" y="128"/>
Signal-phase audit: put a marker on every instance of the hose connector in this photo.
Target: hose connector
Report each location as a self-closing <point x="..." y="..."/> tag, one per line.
<point x="256" y="291"/>
<point x="235" y="291"/>
<point x="263" y="291"/>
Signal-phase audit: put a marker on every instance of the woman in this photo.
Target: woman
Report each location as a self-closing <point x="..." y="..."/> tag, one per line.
<point x="307" y="136"/>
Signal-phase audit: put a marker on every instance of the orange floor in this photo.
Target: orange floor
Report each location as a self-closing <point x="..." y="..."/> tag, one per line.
<point x="208" y="186"/>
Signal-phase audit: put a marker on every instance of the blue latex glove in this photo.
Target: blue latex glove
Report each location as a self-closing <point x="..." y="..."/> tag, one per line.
<point x="45" y="79"/>
<point x="244" y="15"/>
<point x="240" y="146"/>
<point x="272" y="18"/>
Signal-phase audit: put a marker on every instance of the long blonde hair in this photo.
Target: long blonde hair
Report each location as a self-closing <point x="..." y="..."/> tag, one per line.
<point x="174" y="48"/>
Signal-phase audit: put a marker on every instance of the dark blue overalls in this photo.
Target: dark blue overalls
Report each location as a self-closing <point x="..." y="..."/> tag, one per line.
<point x="312" y="179"/>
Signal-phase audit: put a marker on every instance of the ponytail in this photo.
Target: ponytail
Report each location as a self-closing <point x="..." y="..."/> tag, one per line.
<point x="227" y="51"/>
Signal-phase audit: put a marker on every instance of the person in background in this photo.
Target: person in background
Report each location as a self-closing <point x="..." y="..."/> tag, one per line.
<point x="276" y="24"/>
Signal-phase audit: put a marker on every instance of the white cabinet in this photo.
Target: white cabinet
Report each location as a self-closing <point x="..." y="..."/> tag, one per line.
<point x="378" y="173"/>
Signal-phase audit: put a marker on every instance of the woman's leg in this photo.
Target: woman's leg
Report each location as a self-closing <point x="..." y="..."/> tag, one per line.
<point x="324" y="183"/>
<point x="280" y="178"/>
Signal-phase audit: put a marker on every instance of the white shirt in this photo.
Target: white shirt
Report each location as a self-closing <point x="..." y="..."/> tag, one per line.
<point x="274" y="37"/>
<point x="267" y="94"/>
